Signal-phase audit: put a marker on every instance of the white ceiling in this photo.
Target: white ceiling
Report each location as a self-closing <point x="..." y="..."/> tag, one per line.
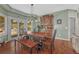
<point x="42" y="9"/>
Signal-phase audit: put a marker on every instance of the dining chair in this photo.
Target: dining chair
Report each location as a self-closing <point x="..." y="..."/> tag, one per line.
<point x="25" y="36"/>
<point x="39" y="46"/>
<point x="2" y="43"/>
<point x="52" y="46"/>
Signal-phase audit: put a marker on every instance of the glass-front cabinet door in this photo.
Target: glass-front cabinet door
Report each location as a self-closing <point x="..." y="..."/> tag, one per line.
<point x="2" y="25"/>
<point x="3" y="36"/>
<point x="14" y="28"/>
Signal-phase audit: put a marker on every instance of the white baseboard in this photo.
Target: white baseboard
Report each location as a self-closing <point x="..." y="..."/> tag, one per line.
<point x="62" y="39"/>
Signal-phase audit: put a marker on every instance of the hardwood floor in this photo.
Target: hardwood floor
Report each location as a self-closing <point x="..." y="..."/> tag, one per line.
<point x="61" y="47"/>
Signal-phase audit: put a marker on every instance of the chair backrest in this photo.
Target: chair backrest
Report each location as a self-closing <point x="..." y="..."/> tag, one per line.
<point x="53" y="40"/>
<point x="54" y="35"/>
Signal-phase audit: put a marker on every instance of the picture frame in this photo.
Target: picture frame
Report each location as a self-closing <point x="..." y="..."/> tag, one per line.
<point x="59" y="21"/>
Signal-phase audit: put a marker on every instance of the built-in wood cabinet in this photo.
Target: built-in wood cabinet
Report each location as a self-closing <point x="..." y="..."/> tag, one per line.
<point x="47" y="24"/>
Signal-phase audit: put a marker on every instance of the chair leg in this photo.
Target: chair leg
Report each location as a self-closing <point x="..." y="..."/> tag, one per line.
<point x="53" y="47"/>
<point x="37" y="51"/>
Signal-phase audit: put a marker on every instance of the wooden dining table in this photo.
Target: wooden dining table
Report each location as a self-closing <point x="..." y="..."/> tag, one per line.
<point x="44" y="38"/>
<point x="30" y="43"/>
<point x="26" y="42"/>
<point x="40" y="35"/>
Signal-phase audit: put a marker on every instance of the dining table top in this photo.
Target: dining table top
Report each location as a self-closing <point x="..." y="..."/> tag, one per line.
<point x="39" y="34"/>
<point x="27" y="42"/>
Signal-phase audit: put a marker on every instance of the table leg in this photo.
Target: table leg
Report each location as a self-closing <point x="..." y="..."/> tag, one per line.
<point x="51" y="49"/>
<point x="37" y="51"/>
<point x="30" y="50"/>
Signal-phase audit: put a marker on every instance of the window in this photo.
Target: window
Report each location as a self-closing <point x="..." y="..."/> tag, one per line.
<point x="29" y="25"/>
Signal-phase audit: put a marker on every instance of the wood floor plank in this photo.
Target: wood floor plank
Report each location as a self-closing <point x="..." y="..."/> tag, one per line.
<point x="61" y="47"/>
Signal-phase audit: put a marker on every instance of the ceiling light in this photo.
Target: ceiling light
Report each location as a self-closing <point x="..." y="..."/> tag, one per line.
<point x="31" y="17"/>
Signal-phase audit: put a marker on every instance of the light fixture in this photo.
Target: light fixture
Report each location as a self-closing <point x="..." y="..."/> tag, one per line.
<point x="31" y="17"/>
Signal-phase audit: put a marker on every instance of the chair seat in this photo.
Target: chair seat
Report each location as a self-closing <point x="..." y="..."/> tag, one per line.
<point x="40" y="45"/>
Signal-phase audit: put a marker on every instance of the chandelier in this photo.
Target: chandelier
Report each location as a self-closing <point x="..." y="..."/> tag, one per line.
<point x="31" y="17"/>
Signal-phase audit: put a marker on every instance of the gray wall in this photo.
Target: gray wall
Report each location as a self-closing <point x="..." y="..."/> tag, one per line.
<point x="62" y="29"/>
<point x="9" y="14"/>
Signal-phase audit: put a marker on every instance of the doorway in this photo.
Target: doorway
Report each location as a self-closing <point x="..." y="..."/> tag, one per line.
<point x="72" y="26"/>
